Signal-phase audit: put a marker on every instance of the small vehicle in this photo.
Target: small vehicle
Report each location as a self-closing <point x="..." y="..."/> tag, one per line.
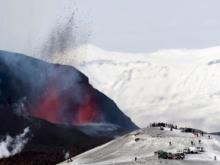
<point x="161" y="154"/>
<point x="167" y="155"/>
<point x="200" y="149"/>
<point x="186" y="151"/>
<point x="178" y="156"/>
<point x="191" y="150"/>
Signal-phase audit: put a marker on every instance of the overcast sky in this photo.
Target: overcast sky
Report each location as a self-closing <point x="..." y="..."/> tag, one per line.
<point x="119" y="25"/>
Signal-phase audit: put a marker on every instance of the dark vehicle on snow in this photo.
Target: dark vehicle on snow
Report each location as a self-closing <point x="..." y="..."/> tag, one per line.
<point x="167" y="155"/>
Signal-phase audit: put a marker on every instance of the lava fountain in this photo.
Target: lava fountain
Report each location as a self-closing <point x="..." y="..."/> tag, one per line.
<point x="58" y="105"/>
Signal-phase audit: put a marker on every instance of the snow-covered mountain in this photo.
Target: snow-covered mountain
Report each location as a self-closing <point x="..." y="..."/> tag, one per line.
<point x="143" y="143"/>
<point x="180" y="86"/>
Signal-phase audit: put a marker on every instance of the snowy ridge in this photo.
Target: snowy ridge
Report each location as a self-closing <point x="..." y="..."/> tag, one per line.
<point x="123" y="150"/>
<point x="180" y="86"/>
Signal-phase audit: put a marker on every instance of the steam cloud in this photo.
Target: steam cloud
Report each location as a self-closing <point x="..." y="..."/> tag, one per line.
<point x="66" y="155"/>
<point x="11" y="146"/>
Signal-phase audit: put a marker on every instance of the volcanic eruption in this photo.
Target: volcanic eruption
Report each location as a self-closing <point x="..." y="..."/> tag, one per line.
<point x="57" y="93"/>
<point x="58" y="104"/>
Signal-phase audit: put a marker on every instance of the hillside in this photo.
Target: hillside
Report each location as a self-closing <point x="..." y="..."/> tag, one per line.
<point x="143" y="143"/>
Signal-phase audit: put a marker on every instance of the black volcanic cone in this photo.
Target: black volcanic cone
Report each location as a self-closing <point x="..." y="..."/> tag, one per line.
<point x="56" y="93"/>
<point x="53" y="101"/>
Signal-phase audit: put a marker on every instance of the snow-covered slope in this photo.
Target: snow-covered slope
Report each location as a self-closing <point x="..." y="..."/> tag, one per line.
<point x="181" y="86"/>
<point x="123" y="150"/>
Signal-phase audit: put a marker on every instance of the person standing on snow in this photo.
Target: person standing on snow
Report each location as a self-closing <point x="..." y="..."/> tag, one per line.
<point x="170" y="143"/>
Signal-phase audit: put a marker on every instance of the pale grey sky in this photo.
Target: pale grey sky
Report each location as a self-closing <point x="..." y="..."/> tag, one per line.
<point x="119" y="25"/>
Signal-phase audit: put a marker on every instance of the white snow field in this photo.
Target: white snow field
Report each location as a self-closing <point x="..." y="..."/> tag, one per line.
<point x="175" y="86"/>
<point x="123" y="150"/>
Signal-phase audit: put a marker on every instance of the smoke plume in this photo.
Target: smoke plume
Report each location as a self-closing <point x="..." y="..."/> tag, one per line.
<point x="11" y="146"/>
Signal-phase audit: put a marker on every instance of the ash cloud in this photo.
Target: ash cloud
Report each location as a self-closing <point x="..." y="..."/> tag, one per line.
<point x="64" y="37"/>
<point x="47" y="90"/>
<point x="11" y="146"/>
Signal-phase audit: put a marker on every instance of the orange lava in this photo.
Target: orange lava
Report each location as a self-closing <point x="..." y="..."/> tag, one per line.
<point x="87" y="113"/>
<point x="52" y="102"/>
<point x="48" y="109"/>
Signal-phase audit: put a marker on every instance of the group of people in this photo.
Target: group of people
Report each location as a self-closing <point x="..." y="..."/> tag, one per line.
<point x="161" y="124"/>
